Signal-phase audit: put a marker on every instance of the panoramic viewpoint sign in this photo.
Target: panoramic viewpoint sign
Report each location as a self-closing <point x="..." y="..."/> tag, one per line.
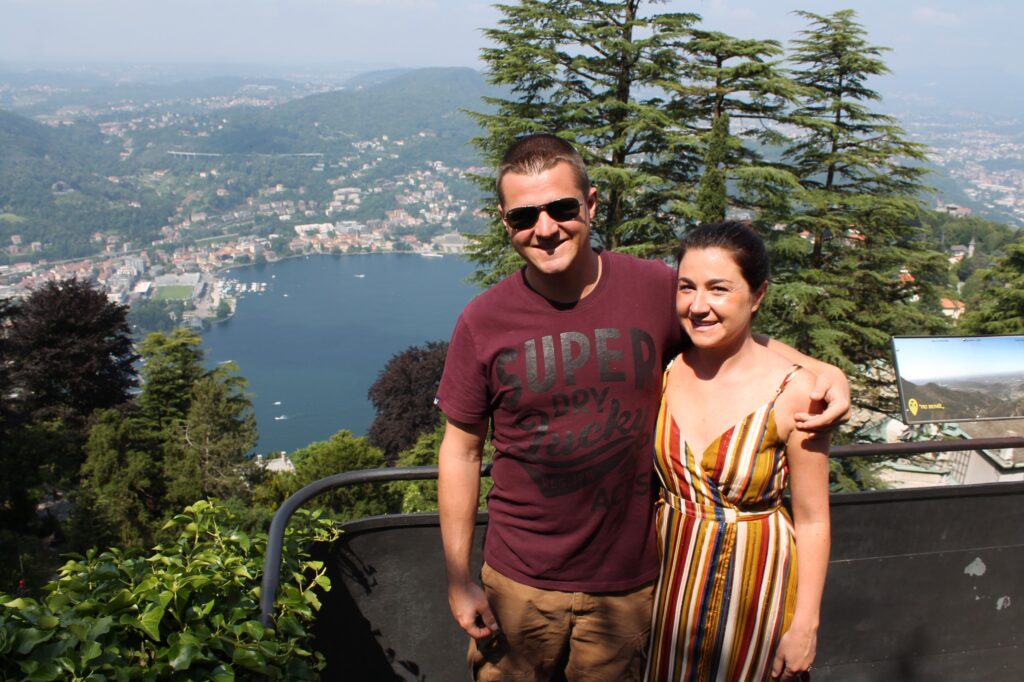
<point x="959" y="378"/>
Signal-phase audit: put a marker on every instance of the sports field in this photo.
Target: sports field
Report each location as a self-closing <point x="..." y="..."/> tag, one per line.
<point x="178" y="292"/>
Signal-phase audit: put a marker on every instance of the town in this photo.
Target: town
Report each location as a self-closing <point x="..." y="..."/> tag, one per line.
<point x="421" y="212"/>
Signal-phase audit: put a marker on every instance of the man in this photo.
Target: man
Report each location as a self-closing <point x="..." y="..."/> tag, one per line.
<point x="565" y="359"/>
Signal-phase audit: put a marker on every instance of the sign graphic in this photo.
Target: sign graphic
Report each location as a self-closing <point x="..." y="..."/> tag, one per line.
<point x="959" y="378"/>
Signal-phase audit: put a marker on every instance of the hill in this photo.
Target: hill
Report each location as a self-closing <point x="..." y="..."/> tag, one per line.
<point x="54" y="188"/>
<point x="399" y="104"/>
<point x="60" y="185"/>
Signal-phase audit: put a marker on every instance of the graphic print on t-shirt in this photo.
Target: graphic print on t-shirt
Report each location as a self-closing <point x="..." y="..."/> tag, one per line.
<point x="574" y="397"/>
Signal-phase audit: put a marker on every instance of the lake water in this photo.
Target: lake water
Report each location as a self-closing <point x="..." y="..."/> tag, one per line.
<point x="315" y="340"/>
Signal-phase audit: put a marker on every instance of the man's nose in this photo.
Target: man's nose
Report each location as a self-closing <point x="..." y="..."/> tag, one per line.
<point x="546" y="225"/>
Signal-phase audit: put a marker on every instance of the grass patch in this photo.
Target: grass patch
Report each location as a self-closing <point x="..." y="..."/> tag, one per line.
<point x="12" y="218"/>
<point x="177" y="292"/>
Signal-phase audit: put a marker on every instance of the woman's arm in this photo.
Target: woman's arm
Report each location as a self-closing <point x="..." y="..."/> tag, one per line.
<point x="808" y="467"/>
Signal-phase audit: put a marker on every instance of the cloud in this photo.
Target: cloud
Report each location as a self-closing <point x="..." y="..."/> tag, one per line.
<point x="935" y="17"/>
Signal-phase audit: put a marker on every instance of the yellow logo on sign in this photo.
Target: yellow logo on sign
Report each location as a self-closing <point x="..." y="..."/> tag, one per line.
<point x="912" y="406"/>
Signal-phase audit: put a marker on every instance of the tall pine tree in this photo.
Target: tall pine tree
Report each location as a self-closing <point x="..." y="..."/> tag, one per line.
<point x="851" y="266"/>
<point x="736" y="81"/>
<point x="594" y="72"/>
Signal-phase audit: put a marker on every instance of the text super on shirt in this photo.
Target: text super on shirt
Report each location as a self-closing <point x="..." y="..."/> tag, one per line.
<point x="573" y="394"/>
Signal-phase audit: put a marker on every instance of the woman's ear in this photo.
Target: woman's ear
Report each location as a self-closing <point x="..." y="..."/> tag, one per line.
<point x="759" y="296"/>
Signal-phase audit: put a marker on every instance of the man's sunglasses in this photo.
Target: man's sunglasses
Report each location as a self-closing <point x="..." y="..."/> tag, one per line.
<point x="525" y="217"/>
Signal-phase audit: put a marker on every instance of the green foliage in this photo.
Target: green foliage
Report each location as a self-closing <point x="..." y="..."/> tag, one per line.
<point x="172" y="366"/>
<point x="151" y="316"/>
<point x="122" y="486"/>
<point x="187" y="611"/>
<point x="403" y="397"/>
<point x="733" y="79"/>
<point x="343" y="452"/>
<point x="711" y="198"/>
<point x="187" y="437"/>
<point x="70" y="351"/>
<point x="65" y="351"/>
<point x="223" y="309"/>
<point x="999" y="306"/>
<point x="850" y="474"/>
<point x="421" y="496"/>
<point x="213" y="441"/>
<point x="54" y="180"/>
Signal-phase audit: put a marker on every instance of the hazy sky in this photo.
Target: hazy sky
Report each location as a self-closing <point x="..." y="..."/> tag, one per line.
<point x="922" y="359"/>
<point x="938" y="35"/>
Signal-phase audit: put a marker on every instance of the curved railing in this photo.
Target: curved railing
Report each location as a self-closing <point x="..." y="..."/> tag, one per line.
<point x="275" y="541"/>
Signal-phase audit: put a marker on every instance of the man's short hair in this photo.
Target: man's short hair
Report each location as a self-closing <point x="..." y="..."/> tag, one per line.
<point x="536" y="153"/>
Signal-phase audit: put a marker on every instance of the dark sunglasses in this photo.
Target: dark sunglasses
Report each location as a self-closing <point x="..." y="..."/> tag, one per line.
<point x="525" y="217"/>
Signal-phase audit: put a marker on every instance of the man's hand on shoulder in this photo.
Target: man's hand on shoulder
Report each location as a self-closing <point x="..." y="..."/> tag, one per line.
<point x="833" y="388"/>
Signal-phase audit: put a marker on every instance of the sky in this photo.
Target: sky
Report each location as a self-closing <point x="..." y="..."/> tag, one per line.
<point x="922" y="359"/>
<point x="939" y="36"/>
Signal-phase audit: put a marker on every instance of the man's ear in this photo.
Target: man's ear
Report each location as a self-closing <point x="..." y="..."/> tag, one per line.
<point x="501" y="214"/>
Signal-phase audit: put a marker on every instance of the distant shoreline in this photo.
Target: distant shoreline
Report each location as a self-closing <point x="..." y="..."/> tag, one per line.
<point x="344" y="253"/>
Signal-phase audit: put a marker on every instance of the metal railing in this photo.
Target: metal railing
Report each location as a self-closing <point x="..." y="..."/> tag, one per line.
<point x="275" y="540"/>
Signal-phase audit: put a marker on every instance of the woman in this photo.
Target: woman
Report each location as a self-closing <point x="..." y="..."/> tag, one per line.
<point x="733" y="602"/>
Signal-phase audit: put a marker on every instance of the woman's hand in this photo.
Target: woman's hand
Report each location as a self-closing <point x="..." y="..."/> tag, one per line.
<point x="795" y="653"/>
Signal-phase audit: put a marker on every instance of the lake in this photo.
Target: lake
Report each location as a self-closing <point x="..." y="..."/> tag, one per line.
<point x="315" y="339"/>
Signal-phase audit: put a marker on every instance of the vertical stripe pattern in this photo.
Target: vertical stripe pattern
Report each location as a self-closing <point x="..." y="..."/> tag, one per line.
<point x="727" y="587"/>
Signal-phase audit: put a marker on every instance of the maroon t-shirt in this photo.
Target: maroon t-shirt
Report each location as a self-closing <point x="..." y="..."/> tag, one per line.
<point x="573" y="395"/>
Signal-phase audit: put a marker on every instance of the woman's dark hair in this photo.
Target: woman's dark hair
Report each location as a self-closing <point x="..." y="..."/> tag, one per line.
<point x="738" y="238"/>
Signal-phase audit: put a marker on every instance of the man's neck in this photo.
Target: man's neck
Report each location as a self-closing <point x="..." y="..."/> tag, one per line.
<point x="570" y="286"/>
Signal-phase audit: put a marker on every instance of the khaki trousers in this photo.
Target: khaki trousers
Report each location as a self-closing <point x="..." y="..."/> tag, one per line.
<point x="545" y="633"/>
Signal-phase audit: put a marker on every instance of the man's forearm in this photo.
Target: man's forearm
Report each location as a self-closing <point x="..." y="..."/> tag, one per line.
<point x="458" y="492"/>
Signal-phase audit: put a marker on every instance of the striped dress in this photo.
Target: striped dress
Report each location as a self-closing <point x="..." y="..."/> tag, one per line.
<point x="727" y="587"/>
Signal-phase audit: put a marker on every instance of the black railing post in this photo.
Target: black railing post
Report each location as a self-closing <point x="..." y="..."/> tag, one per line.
<point x="275" y="538"/>
<point x="919" y="447"/>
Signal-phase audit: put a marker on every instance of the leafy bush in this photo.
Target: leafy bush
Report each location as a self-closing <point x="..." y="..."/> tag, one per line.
<point x="188" y="611"/>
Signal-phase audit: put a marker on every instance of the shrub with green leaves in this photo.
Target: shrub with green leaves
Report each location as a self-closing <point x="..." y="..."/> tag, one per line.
<point x="187" y="611"/>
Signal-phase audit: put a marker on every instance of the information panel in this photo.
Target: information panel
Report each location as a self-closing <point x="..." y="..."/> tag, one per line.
<point x="960" y="378"/>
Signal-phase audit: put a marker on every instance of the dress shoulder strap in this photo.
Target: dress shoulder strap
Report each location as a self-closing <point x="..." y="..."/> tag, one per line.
<point x="789" y="375"/>
<point x="664" y="373"/>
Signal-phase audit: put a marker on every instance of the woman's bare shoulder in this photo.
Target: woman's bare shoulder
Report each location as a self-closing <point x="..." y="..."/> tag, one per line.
<point x="796" y="398"/>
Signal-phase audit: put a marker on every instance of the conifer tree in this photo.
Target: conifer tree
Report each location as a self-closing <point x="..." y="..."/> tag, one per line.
<point x="211" y="444"/>
<point x="185" y="438"/>
<point x="593" y="72"/>
<point x="711" y="195"/>
<point x="999" y="308"/>
<point x="122" y="491"/>
<point x="173" y="364"/>
<point x="737" y="80"/>
<point x="852" y="267"/>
